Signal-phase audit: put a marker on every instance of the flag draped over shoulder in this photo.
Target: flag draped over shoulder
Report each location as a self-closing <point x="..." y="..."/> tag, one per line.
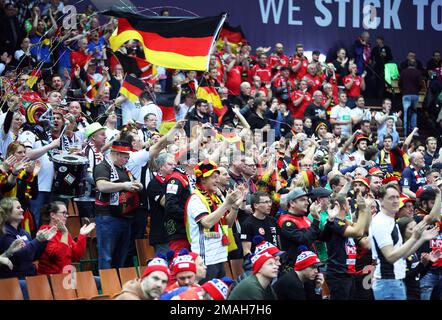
<point x="177" y="43"/>
<point x="211" y="96"/>
<point x="132" y="88"/>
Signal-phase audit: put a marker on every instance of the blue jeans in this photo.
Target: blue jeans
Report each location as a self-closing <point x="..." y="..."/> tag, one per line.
<point x="36" y="204"/>
<point x="428" y="283"/>
<point x="407" y="102"/>
<point x="389" y="289"/>
<point x="113" y="235"/>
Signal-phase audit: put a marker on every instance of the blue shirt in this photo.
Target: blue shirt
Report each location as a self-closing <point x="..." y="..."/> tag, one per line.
<point x="92" y="45"/>
<point x="411" y="181"/>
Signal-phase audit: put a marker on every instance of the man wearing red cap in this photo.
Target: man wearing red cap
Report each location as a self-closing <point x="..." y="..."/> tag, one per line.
<point x="116" y="201"/>
<point x="150" y="286"/>
<point x="257" y="286"/>
<point x="184" y="269"/>
<point x="302" y="283"/>
<point x="207" y="217"/>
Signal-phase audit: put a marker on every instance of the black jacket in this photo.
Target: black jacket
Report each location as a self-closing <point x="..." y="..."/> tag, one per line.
<point x="177" y="192"/>
<point x="290" y="287"/>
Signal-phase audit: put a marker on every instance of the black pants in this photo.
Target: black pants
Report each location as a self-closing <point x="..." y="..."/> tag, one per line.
<point x="214" y="271"/>
<point x="340" y="285"/>
<point x="138" y="229"/>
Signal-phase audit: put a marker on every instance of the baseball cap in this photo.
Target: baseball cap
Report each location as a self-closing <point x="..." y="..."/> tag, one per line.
<point x="205" y="169"/>
<point x="320" y="192"/>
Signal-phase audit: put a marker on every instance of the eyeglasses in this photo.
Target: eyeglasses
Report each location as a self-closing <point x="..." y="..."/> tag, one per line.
<point x="64" y="214"/>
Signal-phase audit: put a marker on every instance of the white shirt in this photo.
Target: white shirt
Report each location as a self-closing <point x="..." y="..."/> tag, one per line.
<point x="361" y="112"/>
<point x="137" y="160"/>
<point x="342" y="114"/>
<point x="46" y="174"/>
<point x="384" y="231"/>
<point x="181" y="111"/>
<point x="150" y="108"/>
<point x="210" y="249"/>
<point x="110" y="133"/>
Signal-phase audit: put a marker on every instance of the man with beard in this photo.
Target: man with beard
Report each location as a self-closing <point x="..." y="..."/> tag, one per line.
<point x="278" y="59"/>
<point x="150" y="286"/>
<point x="361" y="143"/>
<point x="302" y="283"/>
<point x="299" y="63"/>
<point x="391" y="160"/>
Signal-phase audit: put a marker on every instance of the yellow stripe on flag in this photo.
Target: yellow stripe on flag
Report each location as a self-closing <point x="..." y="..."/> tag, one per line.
<point x="129" y="95"/>
<point x="166" y="126"/>
<point x="210" y="95"/>
<point x="160" y="58"/>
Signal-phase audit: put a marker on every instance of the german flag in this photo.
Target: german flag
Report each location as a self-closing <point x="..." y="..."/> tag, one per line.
<point x="176" y="43"/>
<point x="132" y="88"/>
<point x="233" y="35"/>
<point x="211" y="96"/>
<point x="166" y="103"/>
<point x="33" y="77"/>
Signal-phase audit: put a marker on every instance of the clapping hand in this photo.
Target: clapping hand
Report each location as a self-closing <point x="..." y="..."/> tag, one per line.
<point x="46" y="234"/>
<point x="315" y="208"/>
<point x="333" y="212"/>
<point x="87" y="228"/>
<point x="15" y="246"/>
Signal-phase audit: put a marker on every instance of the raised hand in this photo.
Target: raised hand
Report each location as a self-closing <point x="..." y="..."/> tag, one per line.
<point x="5" y="261"/>
<point x="47" y="234"/>
<point x="87" y="228"/>
<point x="429" y="234"/>
<point x="62" y="227"/>
<point x="333" y="213"/>
<point x="315" y="208"/>
<point x="15" y="246"/>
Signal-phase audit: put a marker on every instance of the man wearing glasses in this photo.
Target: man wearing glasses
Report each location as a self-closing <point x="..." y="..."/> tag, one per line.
<point x="259" y="224"/>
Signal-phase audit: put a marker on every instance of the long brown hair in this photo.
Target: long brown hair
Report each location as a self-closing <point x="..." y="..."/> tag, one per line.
<point x="13" y="146"/>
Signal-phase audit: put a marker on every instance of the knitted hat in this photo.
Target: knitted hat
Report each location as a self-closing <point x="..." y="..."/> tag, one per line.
<point x="307" y="259"/>
<point x="205" y="169"/>
<point x="261" y="246"/>
<point x="258" y="260"/>
<point x="156" y="264"/>
<point x="217" y="288"/>
<point x="183" y="262"/>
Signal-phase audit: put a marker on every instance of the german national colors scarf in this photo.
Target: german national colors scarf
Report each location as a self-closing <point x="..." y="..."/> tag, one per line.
<point x="176" y="43"/>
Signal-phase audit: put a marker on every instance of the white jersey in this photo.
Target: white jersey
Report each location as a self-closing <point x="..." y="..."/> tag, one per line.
<point x="208" y="246"/>
<point x="384" y="231"/>
<point x="46" y="174"/>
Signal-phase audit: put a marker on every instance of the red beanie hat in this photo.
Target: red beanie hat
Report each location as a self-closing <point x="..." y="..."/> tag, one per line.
<point x="216" y="288"/>
<point x="265" y="246"/>
<point x="183" y="263"/>
<point x="307" y="259"/>
<point x="258" y="260"/>
<point x="156" y="264"/>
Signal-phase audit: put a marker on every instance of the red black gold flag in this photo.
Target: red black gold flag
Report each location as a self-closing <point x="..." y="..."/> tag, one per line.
<point x="232" y="34"/>
<point x="132" y="88"/>
<point x="211" y="96"/>
<point x="176" y="43"/>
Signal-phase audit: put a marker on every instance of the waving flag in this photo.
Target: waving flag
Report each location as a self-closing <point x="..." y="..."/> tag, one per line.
<point x="177" y="43"/>
<point x="211" y="96"/>
<point x="132" y="88"/>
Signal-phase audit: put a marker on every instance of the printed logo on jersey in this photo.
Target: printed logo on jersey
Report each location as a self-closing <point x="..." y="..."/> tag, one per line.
<point x="261" y="231"/>
<point x="350" y="250"/>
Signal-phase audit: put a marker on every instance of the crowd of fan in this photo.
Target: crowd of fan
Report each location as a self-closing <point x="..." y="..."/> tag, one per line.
<point x="289" y="188"/>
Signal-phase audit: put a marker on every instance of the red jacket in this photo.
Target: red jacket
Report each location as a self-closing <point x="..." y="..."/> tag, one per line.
<point x="57" y="255"/>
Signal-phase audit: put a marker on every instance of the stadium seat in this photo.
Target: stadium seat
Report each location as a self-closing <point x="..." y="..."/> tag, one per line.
<point x="10" y="289"/>
<point x="144" y="251"/>
<point x="127" y="274"/>
<point x="110" y="283"/>
<point x="101" y="297"/>
<point x="141" y="270"/>
<point x="86" y="286"/>
<point x="63" y="287"/>
<point x="39" y="288"/>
